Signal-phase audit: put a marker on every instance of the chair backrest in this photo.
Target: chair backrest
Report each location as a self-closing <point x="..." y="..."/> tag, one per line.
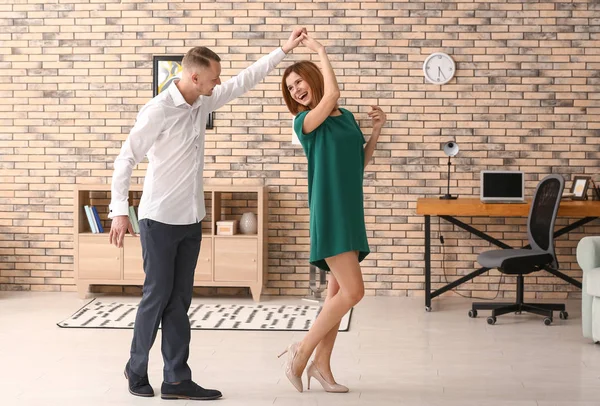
<point x="542" y="214"/>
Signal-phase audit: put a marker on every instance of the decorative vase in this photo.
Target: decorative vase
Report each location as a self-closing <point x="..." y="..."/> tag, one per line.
<point x="248" y="223"/>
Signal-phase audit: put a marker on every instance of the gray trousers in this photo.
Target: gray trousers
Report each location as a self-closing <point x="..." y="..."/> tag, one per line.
<point x="170" y="254"/>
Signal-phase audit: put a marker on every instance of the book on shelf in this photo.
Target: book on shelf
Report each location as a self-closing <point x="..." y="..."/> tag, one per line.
<point x="134" y="221"/>
<point x="89" y="213"/>
<point x="97" y="218"/>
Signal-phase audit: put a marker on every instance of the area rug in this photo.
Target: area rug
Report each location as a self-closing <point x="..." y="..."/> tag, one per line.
<point x="115" y="315"/>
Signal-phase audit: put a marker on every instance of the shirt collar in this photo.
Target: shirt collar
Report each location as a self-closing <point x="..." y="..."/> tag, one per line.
<point x="178" y="98"/>
<point x="176" y="94"/>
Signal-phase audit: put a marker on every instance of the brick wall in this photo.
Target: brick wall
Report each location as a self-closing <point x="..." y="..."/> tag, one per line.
<point x="74" y="74"/>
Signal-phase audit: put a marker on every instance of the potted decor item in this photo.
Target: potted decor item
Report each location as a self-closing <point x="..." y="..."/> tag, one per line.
<point x="248" y="223"/>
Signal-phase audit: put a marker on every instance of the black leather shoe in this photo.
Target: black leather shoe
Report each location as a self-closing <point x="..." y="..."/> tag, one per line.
<point x="188" y="390"/>
<point x="138" y="385"/>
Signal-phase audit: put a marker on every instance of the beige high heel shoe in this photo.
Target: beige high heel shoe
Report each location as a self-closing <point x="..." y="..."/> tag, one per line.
<point x="313" y="372"/>
<point x="292" y="350"/>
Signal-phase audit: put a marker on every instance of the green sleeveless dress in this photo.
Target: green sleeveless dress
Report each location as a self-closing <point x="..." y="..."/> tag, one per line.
<point x="335" y="157"/>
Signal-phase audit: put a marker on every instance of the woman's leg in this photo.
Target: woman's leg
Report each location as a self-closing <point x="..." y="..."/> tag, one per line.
<point x="322" y="358"/>
<point x="346" y="270"/>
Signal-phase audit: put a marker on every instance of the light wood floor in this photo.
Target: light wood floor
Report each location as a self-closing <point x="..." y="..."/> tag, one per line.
<point x="394" y="354"/>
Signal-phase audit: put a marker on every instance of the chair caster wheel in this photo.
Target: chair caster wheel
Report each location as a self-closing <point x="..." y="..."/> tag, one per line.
<point x="472" y="313"/>
<point x="547" y="321"/>
<point x="427" y="309"/>
<point x="563" y="315"/>
<point x="491" y="320"/>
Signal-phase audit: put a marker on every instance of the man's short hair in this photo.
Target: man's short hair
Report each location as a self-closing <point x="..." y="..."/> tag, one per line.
<point x="199" y="57"/>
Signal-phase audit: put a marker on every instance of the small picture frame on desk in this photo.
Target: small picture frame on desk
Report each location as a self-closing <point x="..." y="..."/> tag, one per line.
<point x="579" y="187"/>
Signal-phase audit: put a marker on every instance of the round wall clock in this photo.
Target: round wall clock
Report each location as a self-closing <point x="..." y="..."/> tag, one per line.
<point x="439" y="68"/>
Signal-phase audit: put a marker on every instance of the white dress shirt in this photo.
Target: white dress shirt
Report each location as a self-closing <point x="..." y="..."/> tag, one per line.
<point x="171" y="133"/>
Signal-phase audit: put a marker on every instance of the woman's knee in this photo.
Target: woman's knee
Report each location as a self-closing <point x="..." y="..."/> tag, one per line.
<point x="346" y="270"/>
<point x="356" y="294"/>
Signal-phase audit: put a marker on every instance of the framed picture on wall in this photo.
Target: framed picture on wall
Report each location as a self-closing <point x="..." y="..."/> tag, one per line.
<point x="165" y="69"/>
<point x="579" y="187"/>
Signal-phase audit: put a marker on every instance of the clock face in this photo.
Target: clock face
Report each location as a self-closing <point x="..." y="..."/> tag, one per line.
<point x="439" y="68"/>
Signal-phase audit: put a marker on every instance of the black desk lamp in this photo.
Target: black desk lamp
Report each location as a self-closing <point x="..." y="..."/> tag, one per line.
<point x="450" y="149"/>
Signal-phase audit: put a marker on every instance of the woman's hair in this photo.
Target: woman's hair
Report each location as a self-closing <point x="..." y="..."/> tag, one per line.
<point x="199" y="57"/>
<point x="312" y="75"/>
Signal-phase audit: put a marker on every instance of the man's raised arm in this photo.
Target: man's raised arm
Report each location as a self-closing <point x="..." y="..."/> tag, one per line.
<point x="252" y="75"/>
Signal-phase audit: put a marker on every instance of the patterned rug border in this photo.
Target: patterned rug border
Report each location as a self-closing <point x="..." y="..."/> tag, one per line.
<point x="59" y="324"/>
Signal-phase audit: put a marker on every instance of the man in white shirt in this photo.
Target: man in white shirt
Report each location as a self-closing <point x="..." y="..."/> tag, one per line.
<point x="170" y="129"/>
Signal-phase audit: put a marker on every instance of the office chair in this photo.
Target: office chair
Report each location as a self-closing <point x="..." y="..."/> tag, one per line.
<point x="540" y="232"/>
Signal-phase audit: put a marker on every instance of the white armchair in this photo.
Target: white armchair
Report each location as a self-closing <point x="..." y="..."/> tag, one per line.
<point x="588" y="258"/>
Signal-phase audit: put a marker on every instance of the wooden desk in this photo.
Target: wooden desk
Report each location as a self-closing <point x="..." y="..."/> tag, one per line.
<point x="472" y="207"/>
<point x="584" y="210"/>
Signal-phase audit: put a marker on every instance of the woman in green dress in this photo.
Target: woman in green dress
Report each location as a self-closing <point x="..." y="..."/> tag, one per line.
<point x="337" y="155"/>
